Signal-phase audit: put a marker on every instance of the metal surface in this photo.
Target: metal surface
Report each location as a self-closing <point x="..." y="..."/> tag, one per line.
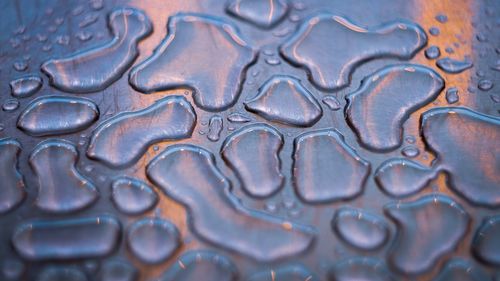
<point x="253" y="140"/>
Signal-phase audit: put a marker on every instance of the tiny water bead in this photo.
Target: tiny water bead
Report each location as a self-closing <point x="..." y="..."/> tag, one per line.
<point x="432" y="52"/>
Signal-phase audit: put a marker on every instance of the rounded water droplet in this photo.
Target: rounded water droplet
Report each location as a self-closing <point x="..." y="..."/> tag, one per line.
<point x="410" y="151"/>
<point x="434" y="31"/>
<point x="273" y="61"/>
<point x="442" y="18"/>
<point x="20" y="65"/>
<point x="153" y="240"/>
<point x="485" y="84"/>
<point x="10" y="105"/>
<point x="432" y="52"/>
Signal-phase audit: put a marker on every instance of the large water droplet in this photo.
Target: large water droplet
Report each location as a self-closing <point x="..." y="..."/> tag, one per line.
<point x="195" y="40"/>
<point x="257" y="168"/>
<point x="122" y="139"/>
<point x="61" y="187"/>
<point x="12" y="191"/>
<point x="67" y="239"/>
<point x="330" y="47"/>
<point x="467" y="146"/>
<point x="84" y="72"/>
<point x="426" y="239"/>
<point x="486" y="243"/>
<point x="284" y="99"/>
<point x="326" y="169"/>
<point x="132" y="196"/>
<point x="360" y="229"/>
<point x="201" y="265"/>
<point x="262" y="13"/>
<point x="56" y="115"/>
<point x="381" y="105"/>
<point x="188" y="174"/>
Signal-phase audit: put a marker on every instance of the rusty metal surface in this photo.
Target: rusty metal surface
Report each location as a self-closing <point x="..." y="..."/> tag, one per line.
<point x="240" y="140"/>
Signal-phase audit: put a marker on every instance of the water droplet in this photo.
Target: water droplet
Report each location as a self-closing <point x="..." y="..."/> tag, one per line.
<point x="89" y="19"/>
<point x="452" y="95"/>
<point x="20" y="66"/>
<point x="442" y="18"/>
<point x="118" y="270"/>
<point x="61" y="187"/>
<point x="201" y="265"/>
<point x="453" y="66"/>
<point x="62" y="40"/>
<point x="432" y="52"/>
<point x="122" y="139"/>
<point x="238" y="118"/>
<point x="486" y="243"/>
<point x="402" y="177"/>
<point x="215" y="126"/>
<point x="332" y="103"/>
<point x="485" y="85"/>
<point x="436" y="237"/>
<point x="360" y="229"/>
<point x="410" y="151"/>
<point x="434" y="31"/>
<point x="25" y="86"/>
<point x="273" y="61"/>
<point x="464" y="160"/>
<point x="180" y="169"/>
<point x="461" y="270"/>
<point x="172" y="64"/>
<point x="84" y="72"/>
<point x="132" y="196"/>
<point x="56" y="115"/>
<point x="84" y="35"/>
<point x="360" y="268"/>
<point x="10" y="105"/>
<point x="67" y="239"/>
<point x="284" y="99"/>
<point x="319" y="36"/>
<point x="326" y="169"/>
<point x="12" y="192"/>
<point x="61" y="273"/>
<point x="257" y="168"/>
<point x="495" y="98"/>
<point x="96" y="4"/>
<point x="288" y="272"/>
<point x="153" y="240"/>
<point x="261" y="13"/>
<point x="378" y="109"/>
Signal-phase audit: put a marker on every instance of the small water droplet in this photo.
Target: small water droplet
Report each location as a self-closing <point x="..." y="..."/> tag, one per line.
<point x="442" y="18"/>
<point x="434" y="31"/>
<point x="452" y="95"/>
<point x="410" y="151"/>
<point x="273" y="61"/>
<point x="432" y="52"/>
<point x="10" y="105"/>
<point x="332" y="103"/>
<point x="20" y="65"/>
